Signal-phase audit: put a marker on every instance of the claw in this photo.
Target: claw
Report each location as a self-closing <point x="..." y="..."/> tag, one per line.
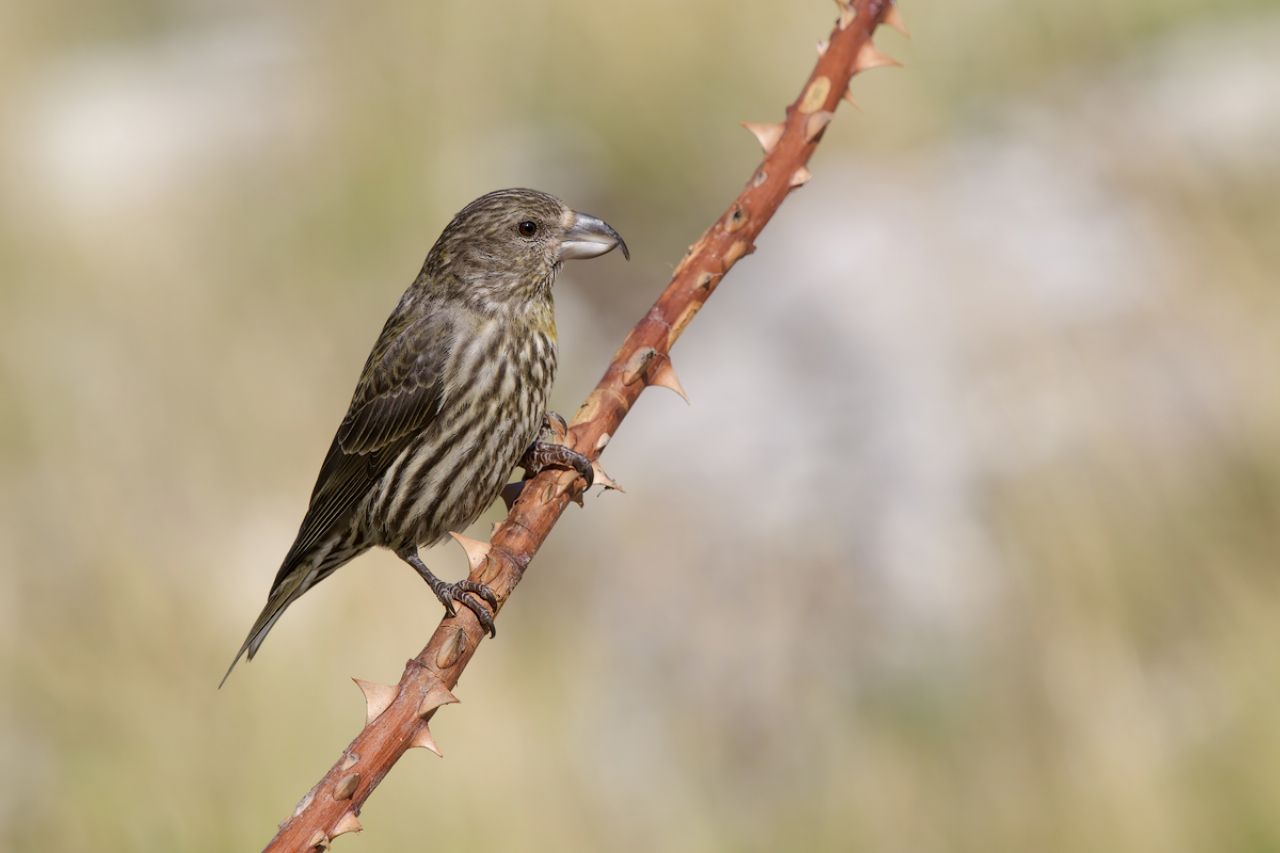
<point x="461" y="591"/>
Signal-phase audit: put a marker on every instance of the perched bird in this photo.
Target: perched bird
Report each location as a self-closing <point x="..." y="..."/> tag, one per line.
<point x="450" y="399"/>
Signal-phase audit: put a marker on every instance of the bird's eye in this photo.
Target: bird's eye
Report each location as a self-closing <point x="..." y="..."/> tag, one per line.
<point x="528" y="228"/>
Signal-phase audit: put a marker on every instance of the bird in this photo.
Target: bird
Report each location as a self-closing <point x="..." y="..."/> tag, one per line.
<point x="452" y="397"/>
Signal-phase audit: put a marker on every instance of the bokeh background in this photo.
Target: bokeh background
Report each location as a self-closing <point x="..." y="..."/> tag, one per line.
<point x="969" y="540"/>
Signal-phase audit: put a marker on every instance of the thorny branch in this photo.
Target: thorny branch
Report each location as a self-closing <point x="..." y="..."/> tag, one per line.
<point x="398" y="715"/>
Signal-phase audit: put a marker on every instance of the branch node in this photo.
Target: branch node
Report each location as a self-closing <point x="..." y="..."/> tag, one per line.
<point x="816" y="124"/>
<point x="735" y="253"/>
<point x="816" y="95"/>
<point x="638" y="365"/>
<point x="452" y="649"/>
<point x="346" y="786"/>
<point x="305" y="801"/>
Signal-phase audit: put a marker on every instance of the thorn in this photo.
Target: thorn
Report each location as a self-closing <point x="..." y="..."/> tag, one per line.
<point x="347" y="823"/>
<point x="847" y="16"/>
<point x="476" y="550"/>
<point x="438" y="695"/>
<point x="870" y="57"/>
<point x="800" y="177"/>
<point x="894" y="19"/>
<point x="822" y="47"/>
<point x="766" y="134"/>
<point x="346" y="786"/>
<point x="603" y="479"/>
<point x="816" y="124"/>
<point x="424" y="739"/>
<point x="665" y="375"/>
<point x="377" y="697"/>
<point x="318" y="841"/>
<point x="848" y="96"/>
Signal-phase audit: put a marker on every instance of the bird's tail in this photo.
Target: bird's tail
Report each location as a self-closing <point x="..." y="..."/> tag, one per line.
<point x="290" y="588"/>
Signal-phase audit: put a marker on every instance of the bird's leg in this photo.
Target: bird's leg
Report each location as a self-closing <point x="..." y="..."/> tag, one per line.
<point x="457" y="591"/>
<point x="548" y="450"/>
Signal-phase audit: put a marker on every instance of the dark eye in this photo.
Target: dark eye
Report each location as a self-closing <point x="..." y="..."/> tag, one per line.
<point x="528" y="228"/>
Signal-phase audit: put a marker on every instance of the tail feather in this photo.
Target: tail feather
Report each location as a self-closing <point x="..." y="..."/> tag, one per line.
<point x="291" y="588"/>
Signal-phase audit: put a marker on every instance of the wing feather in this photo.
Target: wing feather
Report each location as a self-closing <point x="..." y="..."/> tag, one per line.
<point x="397" y="398"/>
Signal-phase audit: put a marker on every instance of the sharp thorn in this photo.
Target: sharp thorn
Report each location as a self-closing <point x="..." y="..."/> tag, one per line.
<point x="847" y="16"/>
<point x="870" y="57"/>
<point x="347" y="823"/>
<point x="816" y="124"/>
<point x="377" y="697"/>
<point x="800" y="177"/>
<point x="424" y="739"/>
<point x="665" y="375"/>
<point x="603" y="479"/>
<point x="848" y="96"/>
<point x="438" y="695"/>
<point x="476" y="550"/>
<point x="894" y="19"/>
<point x="766" y="134"/>
<point x="822" y="47"/>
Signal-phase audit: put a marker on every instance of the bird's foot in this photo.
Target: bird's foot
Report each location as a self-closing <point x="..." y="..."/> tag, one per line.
<point x="549" y="450"/>
<point x="464" y="591"/>
<point x="542" y="455"/>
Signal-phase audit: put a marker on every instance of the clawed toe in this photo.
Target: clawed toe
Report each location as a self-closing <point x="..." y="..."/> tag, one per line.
<point x="465" y="592"/>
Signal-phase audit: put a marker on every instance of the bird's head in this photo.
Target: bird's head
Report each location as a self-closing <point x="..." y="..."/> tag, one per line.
<point x="509" y="244"/>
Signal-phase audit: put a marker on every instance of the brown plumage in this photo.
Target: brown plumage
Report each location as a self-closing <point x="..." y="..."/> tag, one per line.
<point x="452" y="394"/>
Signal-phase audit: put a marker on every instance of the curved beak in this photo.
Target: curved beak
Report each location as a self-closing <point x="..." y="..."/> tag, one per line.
<point x="590" y="237"/>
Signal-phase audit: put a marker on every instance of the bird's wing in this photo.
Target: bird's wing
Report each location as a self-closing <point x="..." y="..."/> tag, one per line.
<point x="398" y="396"/>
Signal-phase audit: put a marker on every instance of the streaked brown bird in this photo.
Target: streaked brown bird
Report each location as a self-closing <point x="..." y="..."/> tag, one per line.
<point x="450" y="400"/>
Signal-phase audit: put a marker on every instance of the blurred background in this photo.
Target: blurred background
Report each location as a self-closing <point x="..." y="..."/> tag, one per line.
<point x="969" y="540"/>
